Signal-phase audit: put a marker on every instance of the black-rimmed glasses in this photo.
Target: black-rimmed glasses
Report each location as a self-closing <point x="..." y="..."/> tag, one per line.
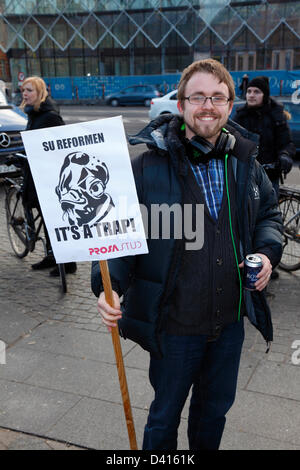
<point x="201" y="100"/>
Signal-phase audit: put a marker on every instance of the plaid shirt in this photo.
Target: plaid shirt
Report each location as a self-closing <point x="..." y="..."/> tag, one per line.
<point x="210" y="178"/>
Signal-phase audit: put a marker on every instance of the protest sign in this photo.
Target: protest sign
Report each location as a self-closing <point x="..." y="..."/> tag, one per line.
<point x="86" y="190"/>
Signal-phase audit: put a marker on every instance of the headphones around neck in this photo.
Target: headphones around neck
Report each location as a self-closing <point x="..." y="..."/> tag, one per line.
<point x="201" y="147"/>
<point x="224" y="144"/>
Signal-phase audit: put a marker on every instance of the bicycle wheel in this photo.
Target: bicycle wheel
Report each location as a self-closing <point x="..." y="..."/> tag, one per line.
<point x="289" y="205"/>
<point x="16" y="225"/>
<point x="290" y="260"/>
<point x="62" y="274"/>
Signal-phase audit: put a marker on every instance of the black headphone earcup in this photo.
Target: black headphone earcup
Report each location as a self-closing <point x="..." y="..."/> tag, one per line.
<point x="201" y="144"/>
<point x="225" y="143"/>
<point x="200" y="148"/>
<point x="221" y="144"/>
<point x="229" y="144"/>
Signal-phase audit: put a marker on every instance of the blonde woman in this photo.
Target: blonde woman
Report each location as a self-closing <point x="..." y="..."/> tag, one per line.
<point x="42" y="112"/>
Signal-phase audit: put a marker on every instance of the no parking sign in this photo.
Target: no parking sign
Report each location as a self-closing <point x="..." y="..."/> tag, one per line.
<point x="21" y="78"/>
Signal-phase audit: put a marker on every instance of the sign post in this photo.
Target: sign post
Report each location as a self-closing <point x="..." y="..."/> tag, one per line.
<point x="86" y="189"/>
<point x="119" y="358"/>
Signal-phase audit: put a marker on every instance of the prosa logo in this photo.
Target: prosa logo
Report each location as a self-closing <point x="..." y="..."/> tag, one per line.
<point x="125" y="246"/>
<point x="103" y="250"/>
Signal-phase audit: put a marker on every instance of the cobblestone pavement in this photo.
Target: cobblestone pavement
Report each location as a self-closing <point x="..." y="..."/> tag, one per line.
<point x="59" y="387"/>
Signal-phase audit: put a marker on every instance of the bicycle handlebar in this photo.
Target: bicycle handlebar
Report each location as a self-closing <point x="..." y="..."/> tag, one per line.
<point x="270" y="166"/>
<point x="275" y="166"/>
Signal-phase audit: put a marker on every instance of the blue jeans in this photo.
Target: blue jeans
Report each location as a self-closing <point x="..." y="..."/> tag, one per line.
<point x="211" y="368"/>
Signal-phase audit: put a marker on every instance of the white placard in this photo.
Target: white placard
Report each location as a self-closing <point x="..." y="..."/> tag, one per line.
<point x="86" y="189"/>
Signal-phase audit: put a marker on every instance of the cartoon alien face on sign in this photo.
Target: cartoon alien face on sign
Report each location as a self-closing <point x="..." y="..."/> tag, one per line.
<point x="81" y="189"/>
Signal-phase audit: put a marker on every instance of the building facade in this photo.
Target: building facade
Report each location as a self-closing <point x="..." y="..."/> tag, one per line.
<point x="69" y="38"/>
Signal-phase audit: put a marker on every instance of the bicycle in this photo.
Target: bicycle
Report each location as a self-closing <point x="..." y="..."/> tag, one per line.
<point x="24" y="224"/>
<point x="289" y="203"/>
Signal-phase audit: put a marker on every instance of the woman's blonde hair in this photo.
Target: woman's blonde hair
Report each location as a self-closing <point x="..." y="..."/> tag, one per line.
<point x="41" y="89"/>
<point x="288" y="115"/>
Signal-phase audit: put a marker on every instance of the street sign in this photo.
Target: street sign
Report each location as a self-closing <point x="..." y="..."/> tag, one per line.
<point x="21" y="78"/>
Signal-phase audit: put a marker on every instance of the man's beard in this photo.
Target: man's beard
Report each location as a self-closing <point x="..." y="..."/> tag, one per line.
<point x="206" y="130"/>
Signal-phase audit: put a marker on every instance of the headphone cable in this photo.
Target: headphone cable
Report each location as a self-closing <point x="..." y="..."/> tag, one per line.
<point x="232" y="238"/>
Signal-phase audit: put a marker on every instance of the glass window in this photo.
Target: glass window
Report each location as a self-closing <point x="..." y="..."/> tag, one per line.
<point x="297" y="59"/>
<point x="288" y="60"/>
<point x="48" y="67"/>
<point x="251" y="58"/>
<point x="90" y="31"/>
<point x="77" y="66"/>
<point x="62" y="66"/>
<point x="61" y="33"/>
<point x="240" y="42"/>
<point x="276" y="60"/>
<point x="231" y="62"/>
<point x="34" y="67"/>
<point x="260" y="55"/>
<point x="91" y="65"/>
<point x="31" y="34"/>
<point x="108" y="65"/>
<point x="139" y="65"/>
<point x="289" y="38"/>
<point x="171" y="63"/>
<point x="152" y="65"/>
<point x="275" y="40"/>
<point x="122" y="65"/>
<point x="268" y="59"/>
<point x="240" y="62"/>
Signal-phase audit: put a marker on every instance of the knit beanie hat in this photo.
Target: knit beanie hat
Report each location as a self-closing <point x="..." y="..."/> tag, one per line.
<point x="263" y="84"/>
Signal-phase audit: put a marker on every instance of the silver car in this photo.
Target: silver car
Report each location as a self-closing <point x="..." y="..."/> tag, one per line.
<point x="12" y="121"/>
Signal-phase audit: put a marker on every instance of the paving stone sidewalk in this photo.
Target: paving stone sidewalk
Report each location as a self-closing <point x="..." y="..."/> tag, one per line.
<point x="59" y="387"/>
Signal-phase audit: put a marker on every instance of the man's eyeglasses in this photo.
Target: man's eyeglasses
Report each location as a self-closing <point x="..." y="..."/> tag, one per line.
<point x="201" y="100"/>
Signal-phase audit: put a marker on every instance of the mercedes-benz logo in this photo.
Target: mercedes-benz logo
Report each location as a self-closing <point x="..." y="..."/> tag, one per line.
<point x="4" y="140"/>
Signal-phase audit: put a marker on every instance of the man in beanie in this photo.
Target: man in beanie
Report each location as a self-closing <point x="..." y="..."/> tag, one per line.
<point x="266" y="117"/>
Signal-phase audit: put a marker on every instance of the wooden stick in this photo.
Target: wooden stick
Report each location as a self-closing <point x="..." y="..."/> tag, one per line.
<point x="119" y="358"/>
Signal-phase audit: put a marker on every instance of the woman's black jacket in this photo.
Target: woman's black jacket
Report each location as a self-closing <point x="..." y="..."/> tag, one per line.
<point x="47" y="116"/>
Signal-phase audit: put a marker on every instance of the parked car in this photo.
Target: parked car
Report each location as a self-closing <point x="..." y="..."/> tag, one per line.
<point x="133" y="95"/>
<point x="12" y="121"/>
<point x="164" y="105"/>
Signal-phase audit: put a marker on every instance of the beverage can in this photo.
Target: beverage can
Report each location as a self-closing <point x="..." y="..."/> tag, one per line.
<point x="252" y="266"/>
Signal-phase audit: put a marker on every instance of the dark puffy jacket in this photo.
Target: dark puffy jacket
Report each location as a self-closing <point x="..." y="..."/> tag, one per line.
<point x="270" y="123"/>
<point x="47" y="116"/>
<point x="147" y="281"/>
